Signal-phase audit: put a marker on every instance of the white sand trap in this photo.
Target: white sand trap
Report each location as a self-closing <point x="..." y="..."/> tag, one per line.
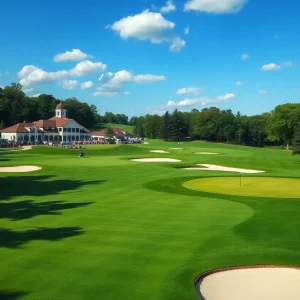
<point x="264" y="283"/>
<point x="207" y="167"/>
<point x="146" y="143"/>
<point x="176" y="148"/>
<point x="24" y="148"/>
<point x="156" y="160"/>
<point x="158" y="151"/>
<point x="19" y="169"/>
<point x="206" y="153"/>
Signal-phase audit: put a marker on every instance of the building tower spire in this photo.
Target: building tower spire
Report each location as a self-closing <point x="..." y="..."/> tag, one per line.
<point x="60" y="111"/>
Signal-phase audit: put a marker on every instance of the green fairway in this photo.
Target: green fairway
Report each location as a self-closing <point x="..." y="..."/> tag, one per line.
<point x="105" y="227"/>
<point x="248" y="186"/>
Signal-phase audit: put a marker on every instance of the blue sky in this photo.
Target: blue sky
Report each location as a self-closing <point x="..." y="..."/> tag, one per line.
<point x="154" y="56"/>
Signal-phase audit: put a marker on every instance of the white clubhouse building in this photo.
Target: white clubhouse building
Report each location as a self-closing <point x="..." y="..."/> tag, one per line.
<point x="55" y="129"/>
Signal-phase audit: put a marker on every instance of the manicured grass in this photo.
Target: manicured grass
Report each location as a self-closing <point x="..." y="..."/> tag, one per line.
<point x="248" y="186"/>
<point x="108" y="228"/>
<point x="127" y="128"/>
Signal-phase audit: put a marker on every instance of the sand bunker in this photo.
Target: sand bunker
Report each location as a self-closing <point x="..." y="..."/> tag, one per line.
<point x="155" y="160"/>
<point x="158" y="151"/>
<point x="208" y="167"/>
<point x="146" y="143"/>
<point x="206" y="153"/>
<point x="255" y="283"/>
<point x="24" y="148"/>
<point x="19" y="169"/>
<point x="176" y="148"/>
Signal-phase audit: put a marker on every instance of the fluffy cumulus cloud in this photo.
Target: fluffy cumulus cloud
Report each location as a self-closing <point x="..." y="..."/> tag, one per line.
<point x="187" y="31"/>
<point x="75" y="55"/>
<point x="69" y="84"/>
<point x="113" y="83"/>
<point x="169" y="7"/>
<point x="201" y="101"/>
<point x="32" y="76"/>
<point x="239" y="83"/>
<point x="215" y="6"/>
<point x="270" y="67"/>
<point x="149" y="26"/>
<point x="87" y="67"/>
<point x="245" y="56"/>
<point x="263" y="92"/>
<point x="190" y="90"/>
<point x="86" y="85"/>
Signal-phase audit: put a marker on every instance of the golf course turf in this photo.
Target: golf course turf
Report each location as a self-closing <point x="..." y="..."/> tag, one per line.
<point x="248" y="186"/>
<point x="106" y="227"/>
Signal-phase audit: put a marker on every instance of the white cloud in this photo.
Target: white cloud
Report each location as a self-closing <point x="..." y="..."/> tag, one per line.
<point x="263" y="92"/>
<point x="201" y="101"/>
<point x="126" y="93"/>
<point x="276" y="36"/>
<point x="239" y="83"/>
<point x="169" y="7"/>
<point x="86" y="85"/>
<point x="245" y="56"/>
<point x="215" y="6"/>
<point x="186" y="30"/>
<point x="148" y="78"/>
<point x="31" y="76"/>
<point x="69" y="84"/>
<point x="75" y="55"/>
<point x="287" y="64"/>
<point x="191" y="90"/>
<point x="226" y="97"/>
<point x="104" y="93"/>
<point x="270" y="67"/>
<point x="149" y="26"/>
<point x="35" y="95"/>
<point x="87" y="67"/>
<point x="113" y="83"/>
<point x="28" y="90"/>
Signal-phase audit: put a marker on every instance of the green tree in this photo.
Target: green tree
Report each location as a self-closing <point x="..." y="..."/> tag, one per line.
<point x="2" y="126"/>
<point x="296" y="141"/>
<point x="109" y="132"/>
<point x="164" y="130"/>
<point x="281" y="124"/>
<point x="177" y="126"/>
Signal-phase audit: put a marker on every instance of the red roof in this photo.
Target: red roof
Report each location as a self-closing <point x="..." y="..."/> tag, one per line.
<point x="46" y="123"/>
<point x="116" y="132"/>
<point x="60" y="121"/>
<point x="19" y="128"/>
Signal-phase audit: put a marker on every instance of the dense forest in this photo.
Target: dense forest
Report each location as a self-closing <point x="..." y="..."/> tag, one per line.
<point x="212" y="124"/>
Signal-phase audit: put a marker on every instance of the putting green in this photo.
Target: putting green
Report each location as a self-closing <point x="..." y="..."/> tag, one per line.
<point x="250" y="186"/>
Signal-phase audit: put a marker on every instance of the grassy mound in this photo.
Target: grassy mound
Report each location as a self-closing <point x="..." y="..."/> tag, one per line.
<point x="248" y="186"/>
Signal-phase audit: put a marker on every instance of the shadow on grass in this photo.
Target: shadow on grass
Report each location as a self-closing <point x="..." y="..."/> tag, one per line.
<point x="275" y="223"/>
<point x="15" y="239"/>
<point x="6" y="295"/>
<point x="13" y="186"/>
<point x="28" y="209"/>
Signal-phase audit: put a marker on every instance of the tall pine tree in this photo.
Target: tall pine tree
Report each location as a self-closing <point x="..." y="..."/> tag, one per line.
<point x="164" y="130"/>
<point x="296" y="142"/>
<point x="177" y="126"/>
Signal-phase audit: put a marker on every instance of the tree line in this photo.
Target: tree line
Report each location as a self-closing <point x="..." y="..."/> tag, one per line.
<point x="212" y="124"/>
